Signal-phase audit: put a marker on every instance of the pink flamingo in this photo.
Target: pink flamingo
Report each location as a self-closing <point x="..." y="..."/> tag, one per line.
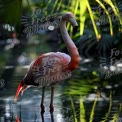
<point x="51" y="68"/>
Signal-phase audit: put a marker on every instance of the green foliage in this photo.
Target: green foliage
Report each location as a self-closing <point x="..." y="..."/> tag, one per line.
<point x="83" y="11"/>
<point x="92" y="115"/>
<point x="10" y="12"/>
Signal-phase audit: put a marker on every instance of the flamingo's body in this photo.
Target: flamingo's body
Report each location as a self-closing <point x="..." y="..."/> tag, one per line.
<point x="53" y="67"/>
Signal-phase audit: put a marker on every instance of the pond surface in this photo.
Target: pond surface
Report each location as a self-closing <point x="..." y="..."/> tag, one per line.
<point x="86" y="97"/>
<point x="72" y="98"/>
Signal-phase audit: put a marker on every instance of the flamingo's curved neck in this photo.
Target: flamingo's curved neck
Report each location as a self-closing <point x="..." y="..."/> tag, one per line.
<point x="70" y="46"/>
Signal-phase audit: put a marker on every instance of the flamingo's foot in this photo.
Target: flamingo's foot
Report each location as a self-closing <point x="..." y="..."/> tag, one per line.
<point x="51" y="108"/>
<point x="42" y="108"/>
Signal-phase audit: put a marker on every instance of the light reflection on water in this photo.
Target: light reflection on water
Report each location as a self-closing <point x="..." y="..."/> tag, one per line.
<point x="27" y="108"/>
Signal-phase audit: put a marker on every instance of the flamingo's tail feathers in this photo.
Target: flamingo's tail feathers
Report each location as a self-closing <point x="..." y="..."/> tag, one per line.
<point x="20" y="87"/>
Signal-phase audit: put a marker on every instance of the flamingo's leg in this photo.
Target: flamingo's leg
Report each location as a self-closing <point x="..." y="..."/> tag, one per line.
<point x="42" y="100"/>
<point x="51" y="101"/>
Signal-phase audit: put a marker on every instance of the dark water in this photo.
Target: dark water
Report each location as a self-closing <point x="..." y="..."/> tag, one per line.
<point x="75" y="97"/>
<point x="88" y="96"/>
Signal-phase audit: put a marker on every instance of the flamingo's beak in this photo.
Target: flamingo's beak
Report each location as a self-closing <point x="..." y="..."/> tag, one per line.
<point x="73" y="22"/>
<point x="75" y="30"/>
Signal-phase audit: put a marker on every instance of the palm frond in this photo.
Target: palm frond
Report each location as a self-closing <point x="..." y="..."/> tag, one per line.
<point x="116" y="11"/>
<point x="93" y="20"/>
<point x="108" y="15"/>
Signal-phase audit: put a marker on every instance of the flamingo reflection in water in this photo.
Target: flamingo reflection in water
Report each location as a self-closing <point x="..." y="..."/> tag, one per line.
<point x="42" y="117"/>
<point x="51" y="68"/>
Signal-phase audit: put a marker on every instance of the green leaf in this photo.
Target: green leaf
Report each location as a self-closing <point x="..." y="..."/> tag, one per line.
<point x="93" y="20"/>
<point x="83" y="8"/>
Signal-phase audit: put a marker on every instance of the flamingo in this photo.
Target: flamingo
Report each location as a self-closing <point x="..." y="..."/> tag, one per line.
<point x="51" y="68"/>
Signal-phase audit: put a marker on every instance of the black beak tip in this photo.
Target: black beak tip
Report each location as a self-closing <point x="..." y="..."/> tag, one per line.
<point x="75" y="30"/>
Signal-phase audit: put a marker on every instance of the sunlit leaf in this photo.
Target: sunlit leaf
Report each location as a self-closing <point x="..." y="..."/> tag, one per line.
<point x="82" y="111"/>
<point x="93" y="108"/>
<point x="117" y="114"/>
<point x="83" y="8"/>
<point x="59" y="5"/>
<point x="93" y="20"/>
<point x="115" y="10"/>
<point x="55" y="6"/>
<point x="108" y="15"/>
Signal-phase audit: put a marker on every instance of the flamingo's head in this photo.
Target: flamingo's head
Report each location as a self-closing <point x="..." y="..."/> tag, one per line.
<point x="70" y="18"/>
